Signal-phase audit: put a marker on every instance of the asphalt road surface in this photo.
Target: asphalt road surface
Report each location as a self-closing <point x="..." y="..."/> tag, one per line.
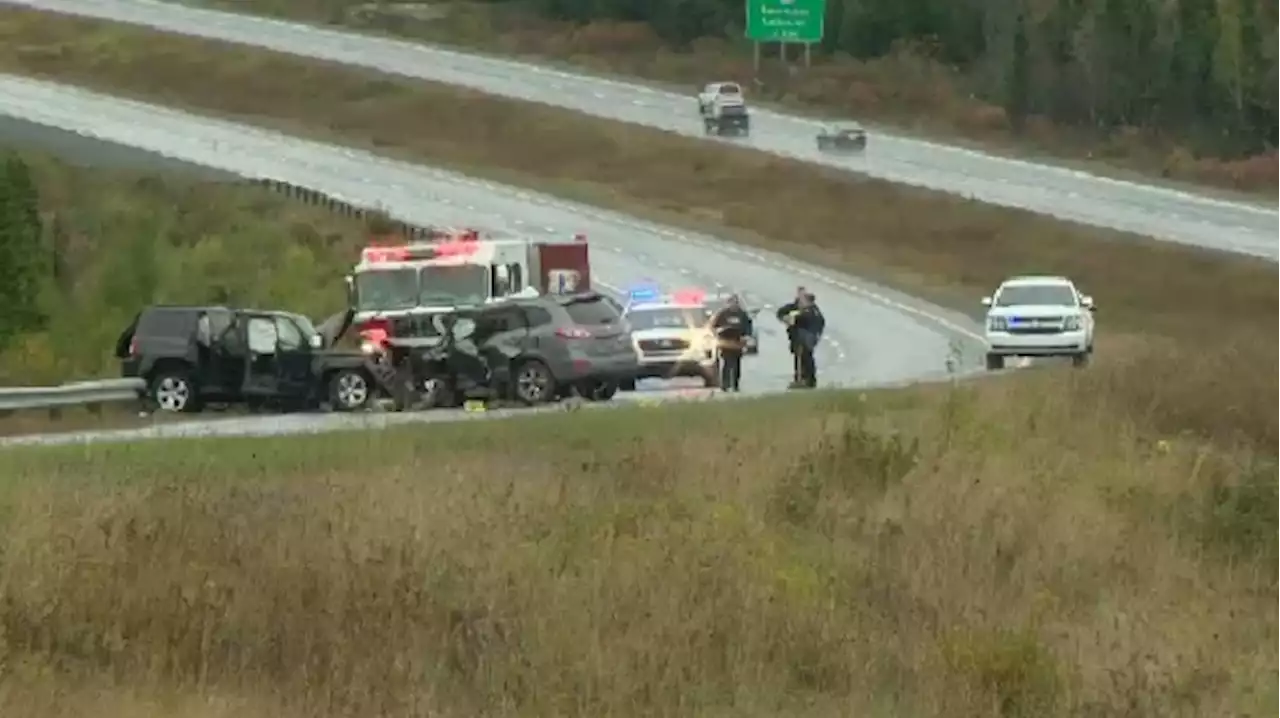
<point x="874" y="336"/>
<point x="1155" y="211"/>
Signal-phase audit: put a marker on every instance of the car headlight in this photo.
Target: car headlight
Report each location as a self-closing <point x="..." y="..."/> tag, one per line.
<point x="1072" y="324"/>
<point x="997" y="324"/>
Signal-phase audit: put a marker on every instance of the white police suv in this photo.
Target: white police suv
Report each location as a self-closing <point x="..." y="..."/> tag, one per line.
<point x="671" y="335"/>
<point x="1034" y="316"/>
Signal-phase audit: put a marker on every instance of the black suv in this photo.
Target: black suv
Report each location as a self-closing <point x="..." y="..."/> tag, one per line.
<point x="193" y="355"/>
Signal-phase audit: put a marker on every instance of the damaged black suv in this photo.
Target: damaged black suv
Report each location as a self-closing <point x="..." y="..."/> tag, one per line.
<point x="193" y="355"/>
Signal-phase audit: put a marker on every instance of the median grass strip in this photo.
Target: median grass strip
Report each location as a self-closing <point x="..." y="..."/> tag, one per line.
<point x="929" y="552"/>
<point x="941" y="246"/>
<point x="124" y="238"/>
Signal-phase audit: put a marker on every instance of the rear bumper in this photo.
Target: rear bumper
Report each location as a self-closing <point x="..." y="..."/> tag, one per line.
<point x="609" y="371"/>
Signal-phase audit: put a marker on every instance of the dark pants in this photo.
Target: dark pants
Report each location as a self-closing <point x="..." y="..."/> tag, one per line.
<point x="806" y="369"/>
<point x="730" y="369"/>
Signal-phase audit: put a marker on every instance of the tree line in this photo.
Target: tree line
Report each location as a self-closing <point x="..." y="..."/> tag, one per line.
<point x="1204" y="70"/>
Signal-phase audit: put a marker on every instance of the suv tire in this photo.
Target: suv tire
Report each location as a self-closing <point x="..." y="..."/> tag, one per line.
<point x="597" y="390"/>
<point x="627" y="385"/>
<point x="172" y="391"/>
<point x="534" y="383"/>
<point x="995" y="362"/>
<point x="350" y="390"/>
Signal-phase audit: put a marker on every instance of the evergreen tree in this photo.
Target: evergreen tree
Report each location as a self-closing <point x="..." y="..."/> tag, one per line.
<point x="22" y="256"/>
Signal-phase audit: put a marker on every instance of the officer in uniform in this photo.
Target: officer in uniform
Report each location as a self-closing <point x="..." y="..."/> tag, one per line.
<point x="805" y="325"/>
<point x="732" y="325"/>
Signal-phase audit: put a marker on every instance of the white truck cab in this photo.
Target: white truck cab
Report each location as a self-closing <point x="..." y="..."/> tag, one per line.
<point x="1038" y="316"/>
<point x="716" y="93"/>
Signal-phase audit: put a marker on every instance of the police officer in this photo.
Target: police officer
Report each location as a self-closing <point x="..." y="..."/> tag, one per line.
<point x="732" y="325"/>
<point x="805" y="325"/>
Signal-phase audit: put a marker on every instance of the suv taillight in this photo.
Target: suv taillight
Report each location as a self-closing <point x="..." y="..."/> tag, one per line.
<point x="573" y="333"/>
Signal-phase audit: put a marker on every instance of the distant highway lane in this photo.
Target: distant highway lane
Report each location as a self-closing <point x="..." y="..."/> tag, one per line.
<point x="1155" y="211"/>
<point x="874" y="337"/>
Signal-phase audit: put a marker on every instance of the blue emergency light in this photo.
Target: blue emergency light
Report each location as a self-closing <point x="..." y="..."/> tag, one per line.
<point x="644" y="293"/>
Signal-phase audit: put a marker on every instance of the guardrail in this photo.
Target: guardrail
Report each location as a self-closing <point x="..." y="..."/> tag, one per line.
<point x="341" y="207"/>
<point x="89" y="394"/>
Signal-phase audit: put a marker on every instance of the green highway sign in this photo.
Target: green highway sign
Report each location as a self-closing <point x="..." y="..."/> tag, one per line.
<point x="798" y="21"/>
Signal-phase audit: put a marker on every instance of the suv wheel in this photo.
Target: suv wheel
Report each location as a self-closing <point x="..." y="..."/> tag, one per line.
<point x="597" y="390"/>
<point x="172" y="391"/>
<point x="349" y="390"/>
<point x="995" y="362"/>
<point x="1080" y="359"/>
<point x="534" y="383"/>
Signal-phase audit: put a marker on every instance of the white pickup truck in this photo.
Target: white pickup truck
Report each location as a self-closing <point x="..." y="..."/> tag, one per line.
<point x="724" y="109"/>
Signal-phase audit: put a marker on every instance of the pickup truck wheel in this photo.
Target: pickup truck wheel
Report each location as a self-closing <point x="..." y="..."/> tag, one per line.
<point x="349" y="390"/>
<point x="534" y="383"/>
<point x="173" y="391"/>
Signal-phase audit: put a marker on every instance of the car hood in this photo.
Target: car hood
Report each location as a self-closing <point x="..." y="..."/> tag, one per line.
<point x="1031" y="311"/>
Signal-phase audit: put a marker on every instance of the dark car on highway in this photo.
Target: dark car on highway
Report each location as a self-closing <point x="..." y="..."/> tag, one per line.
<point x="193" y="355"/>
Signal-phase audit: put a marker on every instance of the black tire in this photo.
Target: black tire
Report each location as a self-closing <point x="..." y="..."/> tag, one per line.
<point x="173" y="391"/>
<point x="534" y="384"/>
<point x="597" y="390"/>
<point x="995" y="362"/>
<point x="350" y="390"/>
<point x="1079" y="360"/>
<point x="627" y="385"/>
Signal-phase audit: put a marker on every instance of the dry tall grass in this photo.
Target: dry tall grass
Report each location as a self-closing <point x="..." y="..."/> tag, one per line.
<point x="1015" y="548"/>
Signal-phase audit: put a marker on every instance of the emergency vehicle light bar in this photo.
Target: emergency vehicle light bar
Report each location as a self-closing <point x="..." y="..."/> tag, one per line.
<point x="689" y="296"/>
<point x="417" y="252"/>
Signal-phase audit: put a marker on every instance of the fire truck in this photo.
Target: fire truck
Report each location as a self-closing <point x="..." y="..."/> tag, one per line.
<point x="396" y="289"/>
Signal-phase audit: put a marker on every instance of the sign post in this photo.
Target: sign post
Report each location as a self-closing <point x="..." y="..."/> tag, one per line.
<point x="785" y="21"/>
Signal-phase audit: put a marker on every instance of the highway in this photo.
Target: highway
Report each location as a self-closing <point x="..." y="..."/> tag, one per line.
<point x="874" y="337"/>
<point x="1159" y="212"/>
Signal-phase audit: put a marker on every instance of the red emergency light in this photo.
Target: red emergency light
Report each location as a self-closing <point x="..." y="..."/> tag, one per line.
<point x="381" y="255"/>
<point x="692" y="297"/>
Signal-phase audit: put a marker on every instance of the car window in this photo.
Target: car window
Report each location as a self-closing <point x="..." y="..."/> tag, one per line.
<point x="504" y="320"/>
<point x="667" y="318"/>
<point x="167" y="322"/>
<point x="289" y="336"/>
<point x="591" y="311"/>
<point x="537" y="316"/>
<point x="262" y="335"/>
<point x="1057" y="295"/>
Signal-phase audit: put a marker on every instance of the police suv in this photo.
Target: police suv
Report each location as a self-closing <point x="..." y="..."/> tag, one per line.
<point x="1038" y="316"/>
<point x="672" y="336"/>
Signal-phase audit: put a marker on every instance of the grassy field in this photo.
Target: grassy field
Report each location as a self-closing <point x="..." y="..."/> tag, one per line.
<point x="129" y="238"/>
<point x="904" y="90"/>
<point x="942" y="247"/>
<point x="1052" y="543"/>
<point x="1007" y="548"/>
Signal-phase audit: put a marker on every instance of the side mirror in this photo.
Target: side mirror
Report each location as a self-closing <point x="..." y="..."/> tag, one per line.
<point x="986" y="301"/>
<point x="1086" y="301"/>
